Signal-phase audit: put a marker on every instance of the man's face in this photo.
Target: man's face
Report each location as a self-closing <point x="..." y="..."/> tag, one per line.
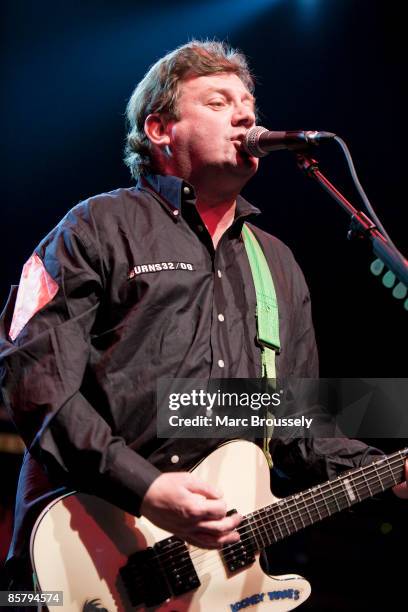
<point x="214" y="112"/>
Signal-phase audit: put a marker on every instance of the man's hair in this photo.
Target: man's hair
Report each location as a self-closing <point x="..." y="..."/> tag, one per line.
<point x="158" y="92"/>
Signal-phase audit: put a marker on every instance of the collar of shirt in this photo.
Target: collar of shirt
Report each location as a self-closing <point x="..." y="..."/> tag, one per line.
<point x="172" y="191"/>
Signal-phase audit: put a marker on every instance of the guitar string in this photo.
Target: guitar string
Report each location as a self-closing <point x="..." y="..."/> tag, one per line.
<point x="285" y="512"/>
<point x="215" y="556"/>
<point x="248" y="535"/>
<point x="318" y="490"/>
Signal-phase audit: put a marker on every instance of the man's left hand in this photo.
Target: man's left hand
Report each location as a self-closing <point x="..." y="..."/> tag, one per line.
<point x="401" y="490"/>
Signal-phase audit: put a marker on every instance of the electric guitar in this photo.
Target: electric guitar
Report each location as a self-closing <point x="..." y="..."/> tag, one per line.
<point x="102" y="558"/>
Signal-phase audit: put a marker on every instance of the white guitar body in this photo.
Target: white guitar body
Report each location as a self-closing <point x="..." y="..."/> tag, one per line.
<point x="79" y="542"/>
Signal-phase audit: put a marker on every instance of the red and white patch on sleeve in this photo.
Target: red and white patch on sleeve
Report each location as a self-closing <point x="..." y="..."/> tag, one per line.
<point x="36" y="289"/>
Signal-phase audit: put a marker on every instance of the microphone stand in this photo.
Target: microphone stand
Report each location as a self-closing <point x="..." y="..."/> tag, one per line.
<point x="360" y="224"/>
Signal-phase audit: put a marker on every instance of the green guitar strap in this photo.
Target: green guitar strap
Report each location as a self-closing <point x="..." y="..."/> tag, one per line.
<point x="267" y="317"/>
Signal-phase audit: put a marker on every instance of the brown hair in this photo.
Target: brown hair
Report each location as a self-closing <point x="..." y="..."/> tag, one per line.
<point x="158" y="92"/>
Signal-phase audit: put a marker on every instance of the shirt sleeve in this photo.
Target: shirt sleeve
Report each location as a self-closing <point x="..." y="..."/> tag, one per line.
<point x="44" y="350"/>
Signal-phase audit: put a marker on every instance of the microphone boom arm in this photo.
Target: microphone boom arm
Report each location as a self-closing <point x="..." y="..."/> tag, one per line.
<point x="360" y="223"/>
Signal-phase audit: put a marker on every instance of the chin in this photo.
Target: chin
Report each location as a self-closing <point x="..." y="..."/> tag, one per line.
<point x="249" y="162"/>
<point x="247" y="167"/>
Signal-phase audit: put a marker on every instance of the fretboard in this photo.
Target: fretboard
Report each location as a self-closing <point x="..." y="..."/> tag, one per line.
<point x="281" y="519"/>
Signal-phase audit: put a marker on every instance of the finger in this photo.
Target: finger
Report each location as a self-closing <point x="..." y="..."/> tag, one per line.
<point x="223" y="526"/>
<point x="231" y="538"/>
<point x="203" y="488"/>
<point x="201" y="509"/>
<point x="401" y="490"/>
<point x="207" y="541"/>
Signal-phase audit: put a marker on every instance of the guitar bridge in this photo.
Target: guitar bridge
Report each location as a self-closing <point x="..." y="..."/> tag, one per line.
<point x="153" y="575"/>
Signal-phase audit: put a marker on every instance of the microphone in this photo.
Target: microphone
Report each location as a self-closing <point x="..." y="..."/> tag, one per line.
<point x="259" y="141"/>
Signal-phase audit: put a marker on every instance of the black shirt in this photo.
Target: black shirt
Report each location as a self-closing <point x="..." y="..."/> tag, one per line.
<point x="140" y="288"/>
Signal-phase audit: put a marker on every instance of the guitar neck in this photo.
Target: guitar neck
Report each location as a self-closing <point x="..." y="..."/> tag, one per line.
<point x="293" y="513"/>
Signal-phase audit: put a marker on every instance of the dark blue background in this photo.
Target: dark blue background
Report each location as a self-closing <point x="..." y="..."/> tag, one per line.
<point x="68" y="69"/>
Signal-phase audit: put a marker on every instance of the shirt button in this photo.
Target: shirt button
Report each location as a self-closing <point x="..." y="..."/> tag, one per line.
<point x="175" y="213"/>
<point x="221" y="317"/>
<point x="221" y="363"/>
<point x="200" y="228"/>
<point x="186" y="190"/>
<point x="219" y="273"/>
<point x="175" y="459"/>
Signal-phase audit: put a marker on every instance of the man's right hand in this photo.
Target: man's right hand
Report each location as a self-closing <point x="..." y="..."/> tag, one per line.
<point x="191" y="510"/>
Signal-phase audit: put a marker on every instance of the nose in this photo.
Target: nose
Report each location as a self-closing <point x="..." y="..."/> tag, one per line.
<point x="243" y="115"/>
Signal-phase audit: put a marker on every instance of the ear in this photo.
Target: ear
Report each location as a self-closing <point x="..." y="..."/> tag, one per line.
<point x="157" y="130"/>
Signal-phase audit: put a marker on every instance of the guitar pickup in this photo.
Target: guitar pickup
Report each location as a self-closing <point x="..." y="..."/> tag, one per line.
<point x="239" y="555"/>
<point x="156" y="574"/>
<point x="144" y="579"/>
<point x="177" y="564"/>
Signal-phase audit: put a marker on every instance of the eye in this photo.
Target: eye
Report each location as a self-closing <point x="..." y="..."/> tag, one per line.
<point x="218" y="102"/>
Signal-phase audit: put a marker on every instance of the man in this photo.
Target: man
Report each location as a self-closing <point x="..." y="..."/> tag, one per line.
<point x="94" y="325"/>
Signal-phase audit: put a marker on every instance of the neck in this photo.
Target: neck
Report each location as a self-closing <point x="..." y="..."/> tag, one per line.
<point x="217" y="216"/>
<point x="216" y="203"/>
<point x="291" y="514"/>
<point x="216" y="194"/>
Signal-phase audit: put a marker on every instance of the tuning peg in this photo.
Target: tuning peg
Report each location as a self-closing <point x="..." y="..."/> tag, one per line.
<point x="388" y="279"/>
<point x="400" y="291"/>
<point x="377" y="267"/>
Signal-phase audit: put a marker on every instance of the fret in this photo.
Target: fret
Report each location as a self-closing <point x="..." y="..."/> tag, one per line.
<point x="335" y="495"/>
<point x="399" y="471"/>
<point x="311" y="521"/>
<point x="367" y="484"/>
<point x="339" y="500"/>
<point x="298" y="511"/>
<point x="278" y="526"/>
<point x="307" y="498"/>
<point x="249" y="518"/>
<point x="325" y="503"/>
<point x="261" y="527"/>
<point x="393" y="476"/>
<point x="289" y="531"/>
<point x="378" y="476"/>
<point x="355" y="489"/>
<point x="287" y="512"/>
<point x="317" y="508"/>
<point x="270" y="531"/>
